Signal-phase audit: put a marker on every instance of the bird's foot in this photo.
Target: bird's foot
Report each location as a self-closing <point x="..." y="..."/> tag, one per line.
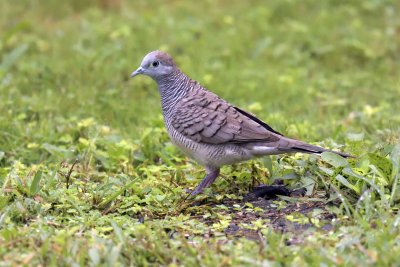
<point x="196" y="191"/>
<point x="193" y="192"/>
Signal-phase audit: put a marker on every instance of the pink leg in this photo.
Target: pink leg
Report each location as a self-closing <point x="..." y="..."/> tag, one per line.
<point x="212" y="174"/>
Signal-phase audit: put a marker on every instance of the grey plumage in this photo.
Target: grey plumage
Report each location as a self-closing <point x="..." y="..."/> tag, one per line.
<point x="209" y="129"/>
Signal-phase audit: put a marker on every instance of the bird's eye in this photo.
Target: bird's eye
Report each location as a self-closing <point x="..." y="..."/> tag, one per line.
<point x="155" y="64"/>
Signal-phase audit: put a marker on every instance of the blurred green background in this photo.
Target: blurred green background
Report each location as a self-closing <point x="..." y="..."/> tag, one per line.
<point x="312" y="69"/>
<point x="88" y="176"/>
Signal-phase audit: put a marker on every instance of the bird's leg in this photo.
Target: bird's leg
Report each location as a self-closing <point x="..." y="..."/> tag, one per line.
<point x="211" y="175"/>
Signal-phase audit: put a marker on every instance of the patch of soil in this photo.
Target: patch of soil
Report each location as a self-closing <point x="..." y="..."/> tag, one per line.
<point x="292" y="213"/>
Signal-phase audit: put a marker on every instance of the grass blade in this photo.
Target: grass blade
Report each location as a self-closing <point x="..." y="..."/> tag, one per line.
<point x="34" y="188"/>
<point x="116" y="194"/>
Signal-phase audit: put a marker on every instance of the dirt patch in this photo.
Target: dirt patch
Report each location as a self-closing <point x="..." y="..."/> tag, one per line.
<point x="293" y="213"/>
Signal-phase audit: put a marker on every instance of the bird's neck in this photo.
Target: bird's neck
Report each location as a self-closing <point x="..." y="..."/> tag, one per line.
<point x="172" y="88"/>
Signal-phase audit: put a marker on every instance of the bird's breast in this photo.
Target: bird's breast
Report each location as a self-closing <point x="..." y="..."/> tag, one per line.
<point x="209" y="154"/>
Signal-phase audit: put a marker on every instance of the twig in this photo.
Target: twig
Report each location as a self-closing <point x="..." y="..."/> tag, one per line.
<point x="70" y="172"/>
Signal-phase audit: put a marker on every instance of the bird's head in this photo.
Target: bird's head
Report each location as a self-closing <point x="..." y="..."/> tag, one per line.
<point x="155" y="64"/>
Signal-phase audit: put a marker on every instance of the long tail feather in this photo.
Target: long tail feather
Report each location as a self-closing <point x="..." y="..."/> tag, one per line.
<point x="307" y="148"/>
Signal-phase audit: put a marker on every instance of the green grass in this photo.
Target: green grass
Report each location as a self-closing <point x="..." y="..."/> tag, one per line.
<point x="326" y="72"/>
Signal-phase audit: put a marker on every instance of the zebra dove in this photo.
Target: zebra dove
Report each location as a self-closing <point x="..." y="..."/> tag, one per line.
<point x="209" y="129"/>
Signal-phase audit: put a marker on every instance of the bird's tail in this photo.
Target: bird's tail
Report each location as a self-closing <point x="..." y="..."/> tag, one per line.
<point x="298" y="146"/>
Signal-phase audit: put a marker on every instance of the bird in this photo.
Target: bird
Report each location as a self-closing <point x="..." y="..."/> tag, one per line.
<point x="209" y="129"/>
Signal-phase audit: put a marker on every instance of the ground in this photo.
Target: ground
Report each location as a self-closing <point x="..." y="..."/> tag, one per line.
<point x="89" y="177"/>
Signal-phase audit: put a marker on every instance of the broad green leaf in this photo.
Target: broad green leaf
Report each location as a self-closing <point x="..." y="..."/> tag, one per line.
<point x="346" y="183"/>
<point x="113" y="256"/>
<point x="309" y="184"/>
<point x="94" y="256"/>
<point x="334" y="159"/>
<point x="384" y="165"/>
<point x="34" y="188"/>
<point x="268" y="163"/>
<point x="327" y="171"/>
<point x="349" y="171"/>
<point x="118" y="232"/>
<point x="160" y="197"/>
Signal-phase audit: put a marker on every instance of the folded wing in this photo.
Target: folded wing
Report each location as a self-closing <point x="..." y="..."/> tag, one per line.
<point x="203" y="117"/>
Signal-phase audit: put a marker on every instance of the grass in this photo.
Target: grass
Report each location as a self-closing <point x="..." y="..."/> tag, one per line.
<point x="89" y="177"/>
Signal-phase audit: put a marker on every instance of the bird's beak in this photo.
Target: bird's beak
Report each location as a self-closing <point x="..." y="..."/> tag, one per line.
<point x="137" y="72"/>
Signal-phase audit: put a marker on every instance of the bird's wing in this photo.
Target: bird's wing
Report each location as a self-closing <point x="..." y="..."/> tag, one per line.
<point x="203" y="117"/>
